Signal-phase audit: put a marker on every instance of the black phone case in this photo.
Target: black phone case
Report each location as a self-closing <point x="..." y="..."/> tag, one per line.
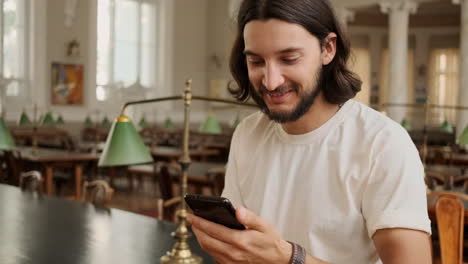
<point x="215" y="209"/>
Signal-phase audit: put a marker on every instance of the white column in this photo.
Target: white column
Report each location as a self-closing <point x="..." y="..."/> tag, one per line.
<point x="398" y="12"/>
<point x="344" y="15"/>
<point x="462" y="120"/>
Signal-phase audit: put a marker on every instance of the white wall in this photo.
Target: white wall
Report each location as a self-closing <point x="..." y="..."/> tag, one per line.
<point x="57" y="37"/>
<point x="190" y="45"/>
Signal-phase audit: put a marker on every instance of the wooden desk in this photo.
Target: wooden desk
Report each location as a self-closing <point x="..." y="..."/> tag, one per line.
<point x="197" y="173"/>
<point x="460" y="160"/>
<point x="52" y="230"/>
<point x="173" y="154"/>
<point x="51" y="158"/>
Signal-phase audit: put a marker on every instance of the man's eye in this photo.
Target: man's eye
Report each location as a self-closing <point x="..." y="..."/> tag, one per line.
<point x="290" y="60"/>
<point x="255" y="62"/>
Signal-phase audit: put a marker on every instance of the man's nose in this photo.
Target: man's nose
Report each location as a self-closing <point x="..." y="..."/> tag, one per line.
<point x="272" y="77"/>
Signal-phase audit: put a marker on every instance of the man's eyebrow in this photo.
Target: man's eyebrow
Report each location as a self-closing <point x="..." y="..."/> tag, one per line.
<point x="251" y="53"/>
<point x="288" y="50"/>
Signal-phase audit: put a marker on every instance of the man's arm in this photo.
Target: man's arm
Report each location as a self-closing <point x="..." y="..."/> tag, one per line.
<point x="260" y="243"/>
<point x="400" y="245"/>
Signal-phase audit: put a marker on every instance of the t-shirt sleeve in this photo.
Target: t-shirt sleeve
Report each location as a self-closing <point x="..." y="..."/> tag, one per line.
<point x="231" y="184"/>
<point x="395" y="192"/>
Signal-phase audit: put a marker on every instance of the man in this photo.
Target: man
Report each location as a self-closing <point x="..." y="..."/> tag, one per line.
<point x="324" y="172"/>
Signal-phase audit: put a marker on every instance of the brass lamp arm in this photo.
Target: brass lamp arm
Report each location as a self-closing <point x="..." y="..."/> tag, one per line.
<point x="159" y="99"/>
<point x="180" y="97"/>
<point x="211" y="99"/>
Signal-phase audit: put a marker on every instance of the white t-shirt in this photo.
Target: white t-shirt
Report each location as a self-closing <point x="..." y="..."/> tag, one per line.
<point x="330" y="189"/>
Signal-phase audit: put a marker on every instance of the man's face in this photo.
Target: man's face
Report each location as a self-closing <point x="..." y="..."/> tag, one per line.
<point x="284" y="63"/>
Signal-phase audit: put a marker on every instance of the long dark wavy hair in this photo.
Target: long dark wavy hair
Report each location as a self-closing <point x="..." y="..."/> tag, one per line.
<point x="317" y="17"/>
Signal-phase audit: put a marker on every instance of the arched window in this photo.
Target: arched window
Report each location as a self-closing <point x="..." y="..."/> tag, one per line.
<point x="14" y="54"/>
<point x="443" y="82"/>
<point x="126" y="47"/>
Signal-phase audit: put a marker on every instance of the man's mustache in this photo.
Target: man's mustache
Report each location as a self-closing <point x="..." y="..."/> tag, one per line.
<point x="280" y="89"/>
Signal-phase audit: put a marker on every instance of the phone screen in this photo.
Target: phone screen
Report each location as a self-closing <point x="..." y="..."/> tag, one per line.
<point x="214" y="209"/>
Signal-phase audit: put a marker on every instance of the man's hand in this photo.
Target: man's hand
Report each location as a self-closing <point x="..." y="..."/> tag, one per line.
<point x="260" y="243"/>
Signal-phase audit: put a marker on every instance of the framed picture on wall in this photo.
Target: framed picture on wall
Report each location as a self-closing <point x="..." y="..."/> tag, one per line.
<point x="67" y="84"/>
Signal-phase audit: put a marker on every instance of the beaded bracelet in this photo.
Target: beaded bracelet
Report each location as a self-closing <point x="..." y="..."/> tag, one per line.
<point x="298" y="255"/>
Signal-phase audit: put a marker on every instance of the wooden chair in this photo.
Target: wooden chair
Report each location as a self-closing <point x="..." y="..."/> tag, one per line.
<point x="19" y="175"/>
<point x="450" y="222"/>
<point x="216" y="175"/>
<point x="31" y="181"/>
<point x="97" y="192"/>
<point x="168" y="203"/>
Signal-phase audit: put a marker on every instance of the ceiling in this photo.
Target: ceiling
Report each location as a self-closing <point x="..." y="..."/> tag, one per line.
<point x="440" y="13"/>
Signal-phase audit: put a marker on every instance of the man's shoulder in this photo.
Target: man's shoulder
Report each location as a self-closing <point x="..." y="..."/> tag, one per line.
<point x="375" y="128"/>
<point x="374" y="122"/>
<point x="256" y="122"/>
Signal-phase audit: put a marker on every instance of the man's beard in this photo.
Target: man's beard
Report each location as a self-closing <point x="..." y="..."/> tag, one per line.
<point x="306" y="101"/>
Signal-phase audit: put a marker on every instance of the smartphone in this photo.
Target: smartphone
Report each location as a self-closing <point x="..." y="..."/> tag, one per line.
<point x="215" y="209"/>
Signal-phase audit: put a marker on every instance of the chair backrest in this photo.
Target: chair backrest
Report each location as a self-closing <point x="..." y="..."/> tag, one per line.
<point x="450" y="222"/>
<point x="216" y="176"/>
<point x="97" y="192"/>
<point x="31" y="181"/>
<point x="13" y="164"/>
<point x="165" y="182"/>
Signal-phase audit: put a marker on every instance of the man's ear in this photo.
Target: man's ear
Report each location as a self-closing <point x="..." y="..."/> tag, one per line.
<point x="329" y="48"/>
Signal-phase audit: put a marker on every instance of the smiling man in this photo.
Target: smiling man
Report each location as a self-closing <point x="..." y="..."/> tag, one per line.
<point x="341" y="182"/>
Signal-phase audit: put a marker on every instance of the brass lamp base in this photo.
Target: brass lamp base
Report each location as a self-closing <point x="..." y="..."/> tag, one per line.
<point x="181" y="257"/>
<point x="181" y="253"/>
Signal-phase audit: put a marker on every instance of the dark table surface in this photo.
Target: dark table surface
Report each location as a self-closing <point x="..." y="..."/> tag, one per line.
<point x="51" y="230"/>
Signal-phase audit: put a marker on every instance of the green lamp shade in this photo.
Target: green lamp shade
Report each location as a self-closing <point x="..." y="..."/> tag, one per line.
<point x="24" y="119"/>
<point x="463" y="140"/>
<point x="60" y="120"/>
<point x="105" y="122"/>
<point x="48" y="119"/>
<point x="446" y="127"/>
<point x="142" y="122"/>
<point x="88" y="122"/>
<point x="6" y="140"/>
<point x="211" y="126"/>
<point x="236" y="121"/>
<point x="168" y="123"/>
<point x="406" y="124"/>
<point x="124" y="146"/>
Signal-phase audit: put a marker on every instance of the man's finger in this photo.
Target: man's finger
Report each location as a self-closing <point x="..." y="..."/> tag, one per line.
<point x="213" y="246"/>
<point x="252" y="221"/>
<point x="214" y="230"/>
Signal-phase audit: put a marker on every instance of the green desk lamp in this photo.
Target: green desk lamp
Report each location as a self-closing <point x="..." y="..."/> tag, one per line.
<point x="463" y="139"/>
<point x="105" y="122"/>
<point x="236" y="121"/>
<point x="24" y="119"/>
<point x="60" y="120"/>
<point x="211" y="125"/>
<point x="406" y="124"/>
<point x="168" y="124"/>
<point x="88" y="122"/>
<point x="142" y="122"/>
<point x="446" y="127"/>
<point x="6" y="140"/>
<point x="124" y="147"/>
<point x="48" y="120"/>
